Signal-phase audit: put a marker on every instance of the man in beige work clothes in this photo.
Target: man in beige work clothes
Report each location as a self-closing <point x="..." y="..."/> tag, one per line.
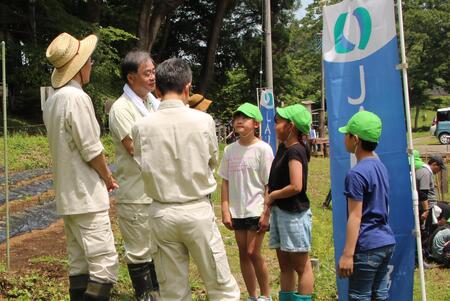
<point x="81" y="177"/>
<point x="138" y="73"/>
<point x="176" y="148"/>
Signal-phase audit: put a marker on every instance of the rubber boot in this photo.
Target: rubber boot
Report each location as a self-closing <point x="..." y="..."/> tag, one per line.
<point x="155" y="284"/>
<point x="96" y="291"/>
<point x="298" y="297"/>
<point x="141" y="279"/>
<point x="77" y="286"/>
<point x="285" y="296"/>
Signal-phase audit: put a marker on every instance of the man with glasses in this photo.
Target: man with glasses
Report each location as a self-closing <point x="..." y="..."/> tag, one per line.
<point x="136" y="102"/>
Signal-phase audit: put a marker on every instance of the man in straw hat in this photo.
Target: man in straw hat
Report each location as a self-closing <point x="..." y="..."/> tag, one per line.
<point x="81" y="176"/>
<point x="136" y="102"/>
<point x="176" y="148"/>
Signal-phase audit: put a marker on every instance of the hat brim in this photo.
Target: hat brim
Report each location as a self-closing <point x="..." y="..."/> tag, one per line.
<point x="282" y="112"/>
<point x="258" y="119"/>
<point x="63" y="75"/>
<point x="343" y="130"/>
<point x="203" y="106"/>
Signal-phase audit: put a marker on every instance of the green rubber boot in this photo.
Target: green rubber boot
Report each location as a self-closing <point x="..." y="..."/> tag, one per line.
<point x="286" y="296"/>
<point x="298" y="297"/>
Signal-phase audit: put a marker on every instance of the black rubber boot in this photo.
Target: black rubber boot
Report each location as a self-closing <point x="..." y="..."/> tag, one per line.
<point x="96" y="291"/>
<point x="155" y="284"/>
<point x="77" y="286"/>
<point x="141" y="278"/>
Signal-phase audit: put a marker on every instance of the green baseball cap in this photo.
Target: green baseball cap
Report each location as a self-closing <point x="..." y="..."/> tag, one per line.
<point x="364" y="124"/>
<point x="250" y="110"/>
<point x="297" y="114"/>
<point x="418" y="163"/>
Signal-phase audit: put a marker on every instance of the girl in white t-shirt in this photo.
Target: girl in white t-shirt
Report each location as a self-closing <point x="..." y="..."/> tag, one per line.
<point x="245" y="169"/>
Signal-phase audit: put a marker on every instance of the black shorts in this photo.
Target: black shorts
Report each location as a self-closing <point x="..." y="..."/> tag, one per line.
<point x="248" y="223"/>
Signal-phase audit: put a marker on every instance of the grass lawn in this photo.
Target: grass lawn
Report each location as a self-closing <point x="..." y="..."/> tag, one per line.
<point x="32" y="151"/>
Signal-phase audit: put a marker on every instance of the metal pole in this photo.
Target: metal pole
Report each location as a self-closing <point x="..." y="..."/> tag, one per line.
<point x="404" y="66"/>
<point x="5" y="153"/>
<point x="322" y="112"/>
<point x="268" y="32"/>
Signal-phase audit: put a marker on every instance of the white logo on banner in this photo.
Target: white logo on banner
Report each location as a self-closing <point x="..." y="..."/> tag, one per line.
<point x="348" y="29"/>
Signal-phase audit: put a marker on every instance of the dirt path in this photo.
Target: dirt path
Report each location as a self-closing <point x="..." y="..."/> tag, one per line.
<point x="423" y="148"/>
<point x="48" y="242"/>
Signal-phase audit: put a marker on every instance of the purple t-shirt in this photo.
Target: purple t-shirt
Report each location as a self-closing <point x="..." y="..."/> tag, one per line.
<point x="368" y="182"/>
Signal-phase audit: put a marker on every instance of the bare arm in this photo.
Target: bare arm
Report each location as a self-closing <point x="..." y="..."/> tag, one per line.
<point x="99" y="164"/>
<point x="225" y="205"/>
<point x="345" y="268"/>
<point x="265" y="216"/>
<point x="295" y="187"/>
<point x="127" y="142"/>
<point x="423" y="198"/>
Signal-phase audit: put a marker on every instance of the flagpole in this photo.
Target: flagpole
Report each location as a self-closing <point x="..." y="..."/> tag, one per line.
<point x="268" y="31"/>
<point x="403" y="66"/>
<point x="322" y="111"/>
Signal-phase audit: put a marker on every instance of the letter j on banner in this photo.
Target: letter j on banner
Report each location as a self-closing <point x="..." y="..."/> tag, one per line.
<point x="267" y="107"/>
<point x="360" y="56"/>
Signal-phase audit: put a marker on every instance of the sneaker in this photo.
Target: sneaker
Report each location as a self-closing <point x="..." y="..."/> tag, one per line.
<point x="264" y="298"/>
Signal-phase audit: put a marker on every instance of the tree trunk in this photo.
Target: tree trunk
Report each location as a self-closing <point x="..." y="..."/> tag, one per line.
<point x="416" y="117"/>
<point x="33" y="19"/>
<point x="144" y="22"/>
<point x="91" y="10"/>
<point x="158" y="15"/>
<point x="207" y="73"/>
<point x="161" y="9"/>
<point x="163" y="44"/>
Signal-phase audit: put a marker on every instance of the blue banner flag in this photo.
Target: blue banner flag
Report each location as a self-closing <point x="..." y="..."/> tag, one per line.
<point x="267" y="107"/>
<point x="360" y="58"/>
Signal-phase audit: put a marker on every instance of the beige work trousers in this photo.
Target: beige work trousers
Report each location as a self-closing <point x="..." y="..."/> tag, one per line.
<point x="190" y="228"/>
<point x="90" y="246"/>
<point x="134" y="224"/>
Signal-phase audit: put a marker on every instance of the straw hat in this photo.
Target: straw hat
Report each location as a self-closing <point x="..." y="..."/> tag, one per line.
<point x="68" y="55"/>
<point x="199" y="102"/>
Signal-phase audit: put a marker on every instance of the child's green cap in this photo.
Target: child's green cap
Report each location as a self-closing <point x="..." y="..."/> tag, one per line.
<point x="297" y="114"/>
<point x="364" y="124"/>
<point x="250" y="110"/>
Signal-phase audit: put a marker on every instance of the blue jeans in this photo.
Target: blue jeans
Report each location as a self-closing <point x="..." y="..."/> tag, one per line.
<point x="370" y="278"/>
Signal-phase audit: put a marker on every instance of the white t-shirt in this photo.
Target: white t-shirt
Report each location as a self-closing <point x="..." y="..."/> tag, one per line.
<point x="247" y="170"/>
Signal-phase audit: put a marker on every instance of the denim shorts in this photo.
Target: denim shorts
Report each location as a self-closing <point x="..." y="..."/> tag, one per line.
<point x="290" y="231"/>
<point x="370" y="279"/>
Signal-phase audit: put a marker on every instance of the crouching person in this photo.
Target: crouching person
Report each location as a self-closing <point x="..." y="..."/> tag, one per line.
<point x="81" y="176"/>
<point x="177" y="150"/>
<point x="133" y="205"/>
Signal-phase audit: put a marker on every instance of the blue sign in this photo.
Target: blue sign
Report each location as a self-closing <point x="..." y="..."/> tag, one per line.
<point x="360" y="58"/>
<point x="267" y="107"/>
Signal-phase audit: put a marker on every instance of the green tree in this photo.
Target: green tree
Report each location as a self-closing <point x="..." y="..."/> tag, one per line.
<point x="427" y="39"/>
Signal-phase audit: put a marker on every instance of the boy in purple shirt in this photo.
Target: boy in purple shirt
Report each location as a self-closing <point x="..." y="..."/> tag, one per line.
<point x="369" y="240"/>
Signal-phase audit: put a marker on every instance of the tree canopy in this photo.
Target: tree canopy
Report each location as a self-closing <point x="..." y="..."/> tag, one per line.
<point x="223" y="41"/>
